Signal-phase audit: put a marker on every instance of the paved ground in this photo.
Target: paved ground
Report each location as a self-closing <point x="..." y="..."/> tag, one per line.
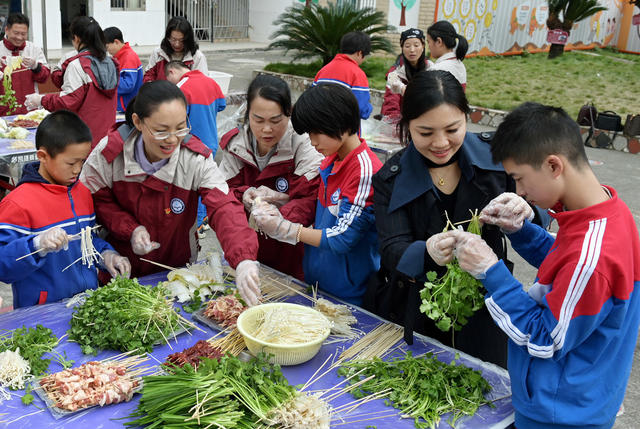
<point x="618" y="169"/>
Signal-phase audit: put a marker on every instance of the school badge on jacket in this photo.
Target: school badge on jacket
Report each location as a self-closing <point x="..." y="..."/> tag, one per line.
<point x="177" y="205"/>
<point x="282" y="185"/>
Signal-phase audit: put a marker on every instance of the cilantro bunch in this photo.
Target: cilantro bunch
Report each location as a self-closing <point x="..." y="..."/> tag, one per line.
<point x="33" y="344"/>
<point x="451" y="299"/>
<point x="422" y="387"/>
<point x="123" y="315"/>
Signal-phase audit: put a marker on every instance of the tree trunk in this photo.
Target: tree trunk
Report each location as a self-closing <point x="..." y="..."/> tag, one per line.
<point x="403" y="21"/>
<point x="554" y="23"/>
<point x="307" y="3"/>
<point x="555" y="51"/>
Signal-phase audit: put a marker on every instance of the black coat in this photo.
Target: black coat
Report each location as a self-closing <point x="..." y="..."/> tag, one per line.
<point x="407" y="214"/>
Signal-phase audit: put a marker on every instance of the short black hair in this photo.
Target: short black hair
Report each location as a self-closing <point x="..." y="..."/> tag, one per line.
<point x="175" y="65"/>
<point x="355" y="41"/>
<point x="179" y="23"/>
<point x="111" y="34"/>
<point x="60" y="129"/>
<point x="270" y="88"/>
<point x="428" y="90"/>
<point x="328" y="109"/>
<point x="17" y="18"/>
<point x="533" y="131"/>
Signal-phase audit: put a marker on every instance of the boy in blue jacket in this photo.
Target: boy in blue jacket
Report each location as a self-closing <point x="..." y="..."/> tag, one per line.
<point x="131" y="72"/>
<point x="48" y="205"/>
<point x="573" y="333"/>
<point x="342" y="248"/>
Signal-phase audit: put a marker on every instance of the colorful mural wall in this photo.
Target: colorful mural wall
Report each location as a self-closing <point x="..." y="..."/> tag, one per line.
<point x="511" y="26"/>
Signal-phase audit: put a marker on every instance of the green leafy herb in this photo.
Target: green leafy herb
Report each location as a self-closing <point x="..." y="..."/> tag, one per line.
<point x="451" y="299"/>
<point x="195" y="304"/>
<point x="124" y="315"/>
<point x="423" y="387"/>
<point x="27" y="398"/>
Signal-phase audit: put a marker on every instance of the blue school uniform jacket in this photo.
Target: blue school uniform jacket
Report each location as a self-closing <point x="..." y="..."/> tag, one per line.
<point x="131" y="75"/>
<point x="204" y="101"/>
<point x="33" y="207"/>
<point x="348" y="251"/>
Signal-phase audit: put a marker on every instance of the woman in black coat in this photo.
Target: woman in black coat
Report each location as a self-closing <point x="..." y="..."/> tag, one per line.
<point x="442" y="169"/>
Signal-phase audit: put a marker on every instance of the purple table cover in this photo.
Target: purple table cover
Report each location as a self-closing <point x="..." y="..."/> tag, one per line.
<point x="56" y="316"/>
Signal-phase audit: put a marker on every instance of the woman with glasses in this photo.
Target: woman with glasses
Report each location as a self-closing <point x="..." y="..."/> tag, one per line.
<point x="180" y="44"/>
<point x="266" y="158"/>
<point x="146" y="177"/>
<point x="89" y="81"/>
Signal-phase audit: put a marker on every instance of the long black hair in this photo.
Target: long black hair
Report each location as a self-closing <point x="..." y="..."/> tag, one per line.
<point x="90" y="34"/>
<point x="270" y="88"/>
<point x="150" y="96"/>
<point x="447" y="33"/>
<point x="179" y="23"/>
<point x="426" y="91"/>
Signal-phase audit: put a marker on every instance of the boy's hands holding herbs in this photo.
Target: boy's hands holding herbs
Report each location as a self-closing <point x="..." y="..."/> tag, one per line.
<point x="507" y="211"/>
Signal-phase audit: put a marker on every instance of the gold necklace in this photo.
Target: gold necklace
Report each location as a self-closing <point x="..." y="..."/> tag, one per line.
<point x="441" y="181"/>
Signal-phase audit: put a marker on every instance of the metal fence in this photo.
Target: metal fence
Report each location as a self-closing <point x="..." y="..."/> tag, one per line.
<point x="213" y="19"/>
<point x="128" y="4"/>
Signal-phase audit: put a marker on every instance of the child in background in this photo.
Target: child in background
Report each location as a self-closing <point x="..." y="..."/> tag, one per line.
<point x="344" y="69"/>
<point x="341" y="251"/>
<point x="573" y="333"/>
<point x="266" y="158"/>
<point x="131" y="73"/>
<point x="48" y="205"/>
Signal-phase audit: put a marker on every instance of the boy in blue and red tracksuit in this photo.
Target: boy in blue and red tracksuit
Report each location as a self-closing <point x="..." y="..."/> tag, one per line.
<point x="341" y="251"/>
<point x="204" y="101"/>
<point x="345" y="69"/>
<point x="48" y="205"/>
<point x="131" y="72"/>
<point x="573" y="333"/>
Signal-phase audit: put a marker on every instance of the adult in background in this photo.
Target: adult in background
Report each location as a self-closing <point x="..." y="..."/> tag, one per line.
<point x="448" y="48"/>
<point x="180" y="44"/>
<point x="344" y="69"/>
<point x="443" y="171"/>
<point x="146" y="176"/>
<point x="204" y="101"/>
<point x="131" y="73"/>
<point x="266" y="158"/>
<point x="90" y="80"/>
<point x="33" y="69"/>
<point x="411" y="61"/>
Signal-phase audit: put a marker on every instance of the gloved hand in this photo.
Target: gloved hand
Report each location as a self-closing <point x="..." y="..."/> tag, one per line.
<point x="397" y="87"/>
<point x="508" y="211"/>
<point x="275" y="226"/>
<point x="115" y="264"/>
<point x="474" y="254"/>
<point x="141" y="243"/>
<point x="29" y="63"/>
<point x="52" y="240"/>
<point x="33" y="101"/>
<point x="248" y="197"/>
<point x="440" y="247"/>
<point x="248" y="281"/>
<point x="274" y="197"/>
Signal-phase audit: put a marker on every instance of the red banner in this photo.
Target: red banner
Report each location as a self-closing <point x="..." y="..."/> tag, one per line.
<point x="557" y="37"/>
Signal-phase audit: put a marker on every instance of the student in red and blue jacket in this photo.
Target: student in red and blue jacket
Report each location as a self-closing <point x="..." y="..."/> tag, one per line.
<point x="573" y="332"/>
<point x="131" y="73"/>
<point x="345" y="69"/>
<point x="342" y="245"/>
<point x="48" y="205"/>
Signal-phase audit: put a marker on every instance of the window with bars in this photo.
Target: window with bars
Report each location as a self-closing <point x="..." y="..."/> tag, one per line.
<point x="128" y="4"/>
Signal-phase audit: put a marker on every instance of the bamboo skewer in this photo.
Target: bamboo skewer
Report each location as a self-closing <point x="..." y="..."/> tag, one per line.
<point x="167" y="267"/>
<point x="72" y="237"/>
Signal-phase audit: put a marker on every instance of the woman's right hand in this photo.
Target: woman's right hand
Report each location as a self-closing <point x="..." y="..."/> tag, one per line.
<point x="141" y="243"/>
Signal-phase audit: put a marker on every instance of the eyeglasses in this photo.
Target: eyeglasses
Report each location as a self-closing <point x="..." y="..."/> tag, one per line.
<point x="172" y="40"/>
<point x="163" y="135"/>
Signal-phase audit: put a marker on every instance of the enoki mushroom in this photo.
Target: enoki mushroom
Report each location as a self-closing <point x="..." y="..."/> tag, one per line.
<point x="90" y="255"/>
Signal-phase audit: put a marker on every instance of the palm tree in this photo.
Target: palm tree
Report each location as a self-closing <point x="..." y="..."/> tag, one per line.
<point x="564" y="13"/>
<point x="317" y="30"/>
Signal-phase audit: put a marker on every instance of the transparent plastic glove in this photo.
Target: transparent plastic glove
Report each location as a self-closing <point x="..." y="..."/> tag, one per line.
<point x="474" y="254"/>
<point x="507" y="211"/>
<point x="440" y="247"/>
<point x="115" y="264"/>
<point x="33" y="101"/>
<point x="263" y="208"/>
<point x="248" y="198"/>
<point x="248" y="281"/>
<point x="29" y="63"/>
<point x="141" y="243"/>
<point x="271" y="196"/>
<point x="277" y="227"/>
<point x="52" y="240"/>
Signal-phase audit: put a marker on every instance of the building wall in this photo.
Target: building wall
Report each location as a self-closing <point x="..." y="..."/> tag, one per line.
<point x="145" y="27"/>
<point x="54" y="26"/>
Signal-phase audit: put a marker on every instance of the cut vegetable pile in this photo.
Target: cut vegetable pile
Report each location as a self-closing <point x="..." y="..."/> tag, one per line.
<point x="124" y="315"/>
<point x="8" y="99"/>
<point x="451" y="299"/>
<point x="422" y="387"/>
<point x="196" y="281"/>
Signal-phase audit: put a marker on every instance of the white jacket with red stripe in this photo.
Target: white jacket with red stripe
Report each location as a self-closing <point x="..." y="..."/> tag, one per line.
<point x="165" y="202"/>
